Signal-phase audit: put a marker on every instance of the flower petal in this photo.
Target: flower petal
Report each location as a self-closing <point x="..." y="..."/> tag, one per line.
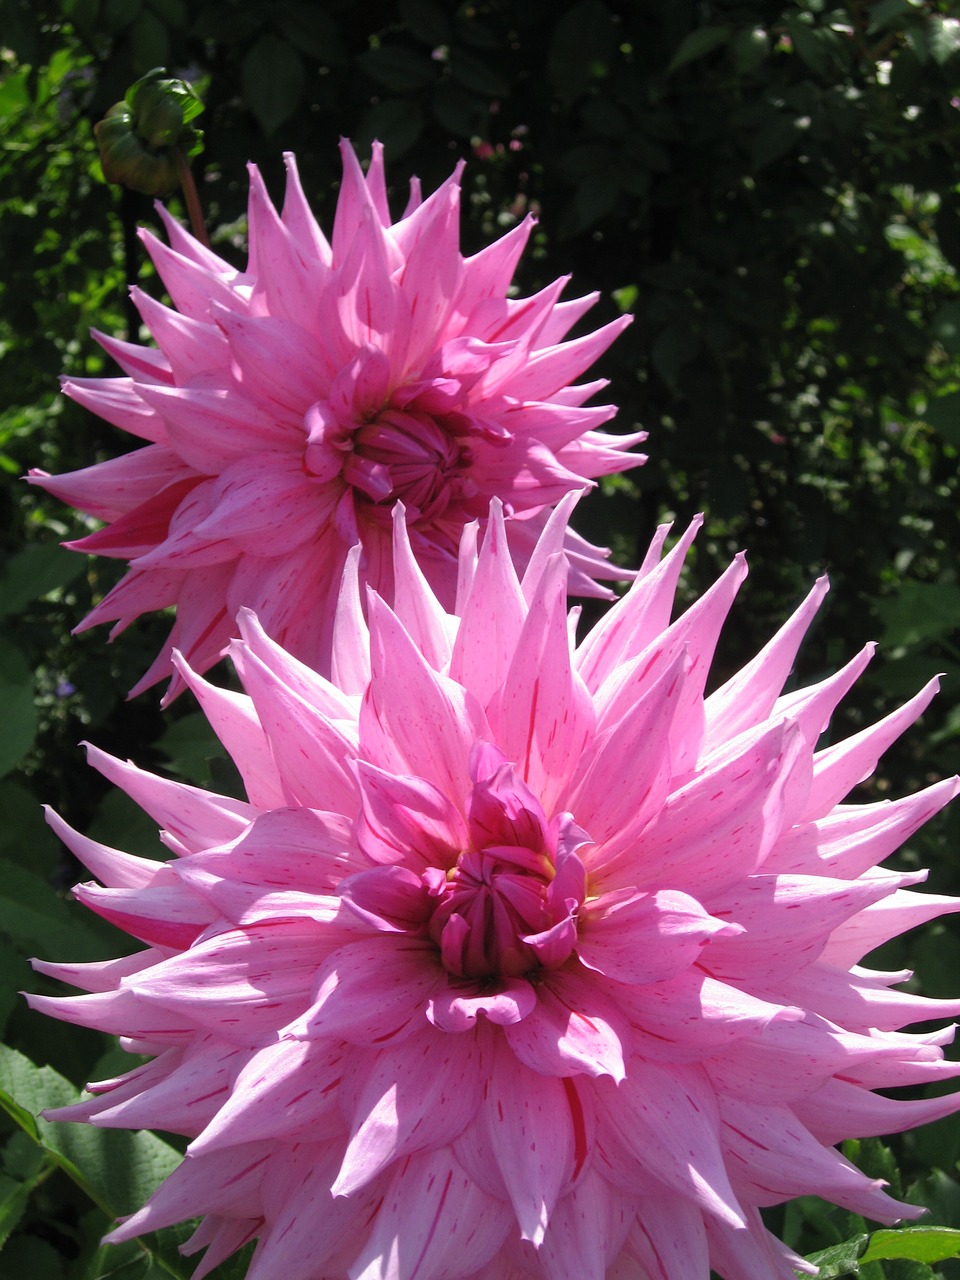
<point x="349" y="1005"/>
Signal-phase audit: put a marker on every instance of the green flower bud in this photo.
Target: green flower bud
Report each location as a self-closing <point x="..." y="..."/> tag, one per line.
<point x="126" y="161"/>
<point x="139" y="138"/>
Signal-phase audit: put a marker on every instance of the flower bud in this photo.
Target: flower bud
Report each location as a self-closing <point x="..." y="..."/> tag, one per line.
<point x="138" y="138"/>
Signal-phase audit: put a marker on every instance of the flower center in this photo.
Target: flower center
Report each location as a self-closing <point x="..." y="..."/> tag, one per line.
<point x="410" y="443"/>
<point x="509" y="904"/>
<point x="497" y="889"/>
<point x="408" y="457"/>
<point x="492" y="908"/>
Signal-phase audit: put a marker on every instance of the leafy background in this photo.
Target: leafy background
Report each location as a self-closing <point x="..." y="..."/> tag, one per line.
<point x="771" y="189"/>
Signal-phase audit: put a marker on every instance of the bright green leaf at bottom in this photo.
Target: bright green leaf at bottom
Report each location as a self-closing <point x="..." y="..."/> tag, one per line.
<point x="840" y="1259"/>
<point x="116" y="1169"/>
<point x="920" y="1244"/>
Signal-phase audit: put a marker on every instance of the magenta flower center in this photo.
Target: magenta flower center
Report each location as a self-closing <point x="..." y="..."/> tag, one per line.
<point x="503" y="904"/>
<point x="491" y="908"/>
<point x="406" y="457"/>
<point x="414" y="443"/>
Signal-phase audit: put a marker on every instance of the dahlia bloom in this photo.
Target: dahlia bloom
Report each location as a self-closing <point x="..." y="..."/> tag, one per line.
<point x="523" y="958"/>
<point x="292" y="405"/>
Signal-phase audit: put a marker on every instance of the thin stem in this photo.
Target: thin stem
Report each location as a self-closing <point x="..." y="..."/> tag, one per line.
<point x="190" y="195"/>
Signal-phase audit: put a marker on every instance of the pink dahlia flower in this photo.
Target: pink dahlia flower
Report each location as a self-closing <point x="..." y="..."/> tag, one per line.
<point x="291" y="405"/>
<point x="523" y="958"/>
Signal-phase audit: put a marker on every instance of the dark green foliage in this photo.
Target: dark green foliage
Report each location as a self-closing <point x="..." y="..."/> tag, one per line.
<point x="769" y="186"/>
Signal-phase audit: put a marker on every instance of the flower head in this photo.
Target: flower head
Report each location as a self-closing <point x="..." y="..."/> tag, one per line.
<point x="523" y="958"/>
<point x="292" y="405"/>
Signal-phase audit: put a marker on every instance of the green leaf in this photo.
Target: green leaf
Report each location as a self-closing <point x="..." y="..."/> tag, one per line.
<point x="23" y="825"/>
<point x="12" y="975"/>
<point x="395" y="121"/>
<point x="697" y="45"/>
<point x="14" y="95"/>
<point x="819" y="47"/>
<point x="457" y="110"/>
<point x="119" y="14"/>
<point x="595" y="197"/>
<point x="426" y="20"/>
<point x="581" y="50"/>
<point x="943" y="414"/>
<point x="943" y="38"/>
<point x="920" y="612"/>
<point x="30" y="1256"/>
<point x="17" y="712"/>
<point x="607" y="118"/>
<point x="946" y="327"/>
<point x="37" y="919"/>
<point x="39" y="568"/>
<point x="312" y="31"/>
<point x="674" y="347"/>
<point x="750" y="48"/>
<point x="888" y="13"/>
<point x="273" y="81"/>
<point x="773" y="139"/>
<point x="150" y="44"/>
<point x="122" y="824"/>
<point x="478" y="75"/>
<point x="920" y="1244"/>
<point x="398" y="68"/>
<point x="21" y="1158"/>
<point x="25" y="1090"/>
<point x="16" y="1193"/>
<point x="947" y="225"/>
<point x="245" y="22"/>
<point x="117" y="1170"/>
<point x="172" y="12"/>
<point x="190" y="744"/>
<point x="840" y="1259"/>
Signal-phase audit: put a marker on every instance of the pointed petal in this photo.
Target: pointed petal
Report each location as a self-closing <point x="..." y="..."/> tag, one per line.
<point x="645" y="937"/>
<point x="841" y="1109"/>
<point x="530" y="1131"/>
<point x="413" y="719"/>
<point x="414" y="602"/>
<point x="715" y="830"/>
<point x="233" y="719"/>
<point x="110" y="866"/>
<point x="244" y="984"/>
<point x="297" y="217"/>
<point x="667" y="1119"/>
<point x="587" y="1230"/>
<point x="491" y="618"/>
<point x="286" y="1089"/>
<point x="417" y="1097"/>
<point x="771" y="1156"/>
<point x="196" y="819"/>
<point x="407" y="820"/>
<point x="575" y="1029"/>
<point x="669" y="1239"/>
<point x="309" y="1228"/>
<point x="202" y="1184"/>
<point x="748" y="697"/>
<point x="349" y="1005"/>
<point x="350" y="661"/>
<point x="543" y="717"/>
<point x="119" y="402"/>
<point x="838" y="768"/>
<point x="435" y="1221"/>
<point x="110" y="489"/>
<point x="310" y="752"/>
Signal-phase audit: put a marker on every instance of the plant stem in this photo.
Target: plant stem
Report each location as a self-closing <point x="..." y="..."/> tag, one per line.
<point x="190" y="195"/>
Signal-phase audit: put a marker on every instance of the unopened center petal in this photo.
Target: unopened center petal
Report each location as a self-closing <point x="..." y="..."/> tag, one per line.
<point x="491" y="903"/>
